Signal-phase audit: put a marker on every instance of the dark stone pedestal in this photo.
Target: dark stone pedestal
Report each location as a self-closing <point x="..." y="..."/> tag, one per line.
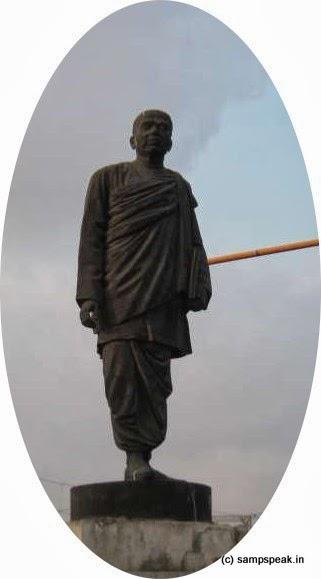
<point x="172" y="499"/>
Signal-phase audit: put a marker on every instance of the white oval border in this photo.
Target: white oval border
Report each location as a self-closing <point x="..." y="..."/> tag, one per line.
<point x="35" y="36"/>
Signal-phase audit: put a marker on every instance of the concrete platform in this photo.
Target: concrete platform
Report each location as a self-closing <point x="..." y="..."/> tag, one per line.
<point x="157" y="548"/>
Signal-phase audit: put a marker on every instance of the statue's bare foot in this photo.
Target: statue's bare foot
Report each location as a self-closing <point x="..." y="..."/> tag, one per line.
<point x="139" y="469"/>
<point x="144" y="473"/>
<point x="157" y="475"/>
<point x="139" y="474"/>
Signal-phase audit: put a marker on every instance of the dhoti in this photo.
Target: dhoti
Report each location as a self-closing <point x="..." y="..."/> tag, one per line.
<point x="137" y="384"/>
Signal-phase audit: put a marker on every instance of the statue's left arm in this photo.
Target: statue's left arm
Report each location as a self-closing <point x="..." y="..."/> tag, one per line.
<point x="92" y="248"/>
<point x="200" y="287"/>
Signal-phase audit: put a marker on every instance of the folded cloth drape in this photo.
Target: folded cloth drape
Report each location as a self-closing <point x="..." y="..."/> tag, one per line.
<point x="154" y="249"/>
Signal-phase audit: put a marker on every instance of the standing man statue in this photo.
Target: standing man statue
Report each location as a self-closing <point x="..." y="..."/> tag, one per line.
<point x="142" y="267"/>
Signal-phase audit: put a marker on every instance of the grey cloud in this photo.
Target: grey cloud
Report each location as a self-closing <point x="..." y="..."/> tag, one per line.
<point x="168" y="56"/>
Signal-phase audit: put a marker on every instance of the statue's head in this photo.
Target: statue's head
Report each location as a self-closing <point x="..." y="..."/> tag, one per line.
<point x="152" y="133"/>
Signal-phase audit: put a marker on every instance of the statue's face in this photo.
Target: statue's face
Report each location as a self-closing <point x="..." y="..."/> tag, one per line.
<point x="152" y="135"/>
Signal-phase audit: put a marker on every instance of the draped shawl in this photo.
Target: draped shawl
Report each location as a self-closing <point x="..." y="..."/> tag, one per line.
<point x="141" y="248"/>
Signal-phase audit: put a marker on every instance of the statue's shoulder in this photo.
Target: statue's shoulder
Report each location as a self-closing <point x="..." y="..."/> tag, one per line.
<point x="177" y="176"/>
<point x="111" y="177"/>
<point x="185" y="186"/>
<point x="109" y="171"/>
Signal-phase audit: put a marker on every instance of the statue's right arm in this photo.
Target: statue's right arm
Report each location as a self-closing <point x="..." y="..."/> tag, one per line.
<point x="91" y="256"/>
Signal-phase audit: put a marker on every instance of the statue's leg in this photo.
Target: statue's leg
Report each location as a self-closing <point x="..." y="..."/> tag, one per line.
<point x="137" y="384"/>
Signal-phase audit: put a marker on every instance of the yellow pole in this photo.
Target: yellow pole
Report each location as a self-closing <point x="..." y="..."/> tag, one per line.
<point x="263" y="251"/>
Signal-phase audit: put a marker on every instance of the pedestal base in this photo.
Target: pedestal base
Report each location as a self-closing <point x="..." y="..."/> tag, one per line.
<point x="169" y="499"/>
<point x="157" y="548"/>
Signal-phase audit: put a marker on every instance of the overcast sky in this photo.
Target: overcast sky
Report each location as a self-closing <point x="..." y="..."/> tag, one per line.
<point x="239" y="400"/>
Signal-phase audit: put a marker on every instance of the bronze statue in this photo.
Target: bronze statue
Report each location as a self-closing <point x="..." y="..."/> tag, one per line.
<point x="142" y="267"/>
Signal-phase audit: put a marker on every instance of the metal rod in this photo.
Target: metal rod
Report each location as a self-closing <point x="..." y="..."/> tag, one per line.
<point x="263" y="251"/>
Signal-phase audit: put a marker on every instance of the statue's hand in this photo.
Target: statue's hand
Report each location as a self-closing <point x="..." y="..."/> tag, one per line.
<point x="90" y="315"/>
<point x="193" y="305"/>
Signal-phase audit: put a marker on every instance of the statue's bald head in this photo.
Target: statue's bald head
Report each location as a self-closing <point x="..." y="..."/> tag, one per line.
<point x="152" y="134"/>
<point x="151" y="113"/>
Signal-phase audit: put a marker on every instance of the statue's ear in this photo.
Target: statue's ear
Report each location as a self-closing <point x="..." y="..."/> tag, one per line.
<point x="169" y="146"/>
<point x="132" y="141"/>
